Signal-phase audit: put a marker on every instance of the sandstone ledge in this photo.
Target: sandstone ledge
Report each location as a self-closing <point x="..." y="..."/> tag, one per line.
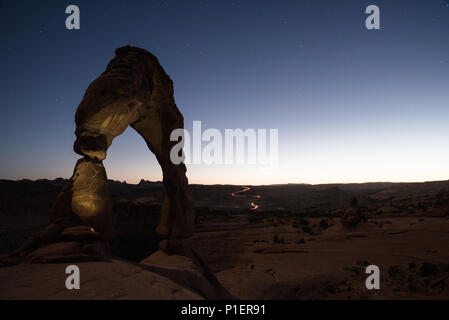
<point x="99" y="280"/>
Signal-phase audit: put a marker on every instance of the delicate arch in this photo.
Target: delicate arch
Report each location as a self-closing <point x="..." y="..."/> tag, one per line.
<point x="133" y="91"/>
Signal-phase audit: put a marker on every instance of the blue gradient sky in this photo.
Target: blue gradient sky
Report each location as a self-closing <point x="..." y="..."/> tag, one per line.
<point x="351" y="105"/>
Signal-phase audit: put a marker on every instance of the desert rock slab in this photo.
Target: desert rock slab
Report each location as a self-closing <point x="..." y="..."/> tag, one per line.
<point x="98" y="280"/>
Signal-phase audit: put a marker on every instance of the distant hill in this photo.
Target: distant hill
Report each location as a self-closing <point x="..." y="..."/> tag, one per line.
<point x="24" y="206"/>
<point x="36" y="197"/>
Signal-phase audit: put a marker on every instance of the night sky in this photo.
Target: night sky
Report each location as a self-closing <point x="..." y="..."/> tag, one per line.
<point x="351" y="104"/>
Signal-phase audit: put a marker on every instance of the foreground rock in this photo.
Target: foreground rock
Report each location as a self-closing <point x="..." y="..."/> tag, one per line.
<point x="159" y="276"/>
<point x="58" y="243"/>
<point x="99" y="280"/>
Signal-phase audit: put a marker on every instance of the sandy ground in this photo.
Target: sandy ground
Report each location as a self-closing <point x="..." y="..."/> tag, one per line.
<point x="331" y="265"/>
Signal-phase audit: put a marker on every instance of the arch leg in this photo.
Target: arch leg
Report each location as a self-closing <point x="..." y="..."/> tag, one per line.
<point x="178" y="214"/>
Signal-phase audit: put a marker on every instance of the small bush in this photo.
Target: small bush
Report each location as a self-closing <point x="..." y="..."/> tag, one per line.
<point x="428" y="269"/>
<point x="324" y="224"/>
<point x="393" y="271"/>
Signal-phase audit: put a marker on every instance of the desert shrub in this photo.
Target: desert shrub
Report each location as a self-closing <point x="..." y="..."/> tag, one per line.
<point x="353" y="202"/>
<point x="394" y="271"/>
<point x="352" y="217"/>
<point x="306" y="229"/>
<point x="324" y="224"/>
<point x="277" y="239"/>
<point x="442" y="198"/>
<point x="428" y="269"/>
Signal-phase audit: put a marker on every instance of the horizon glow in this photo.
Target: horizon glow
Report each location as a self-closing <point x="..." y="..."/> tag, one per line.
<point x="351" y="105"/>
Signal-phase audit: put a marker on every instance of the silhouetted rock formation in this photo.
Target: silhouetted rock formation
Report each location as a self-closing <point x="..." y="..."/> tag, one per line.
<point x="133" y="91"/>
<point x="353" y="215"/>
<point x="442" y="201"/>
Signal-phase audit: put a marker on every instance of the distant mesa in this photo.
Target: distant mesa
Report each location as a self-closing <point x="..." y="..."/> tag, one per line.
<point x="149" y="183"/>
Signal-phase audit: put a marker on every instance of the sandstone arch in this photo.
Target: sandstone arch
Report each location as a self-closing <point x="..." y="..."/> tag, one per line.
<point x="133" y="91"/>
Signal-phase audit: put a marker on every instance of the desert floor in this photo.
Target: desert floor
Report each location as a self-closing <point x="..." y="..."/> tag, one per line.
<point x="411" y="252"/>
<point x="272" y="259"/>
